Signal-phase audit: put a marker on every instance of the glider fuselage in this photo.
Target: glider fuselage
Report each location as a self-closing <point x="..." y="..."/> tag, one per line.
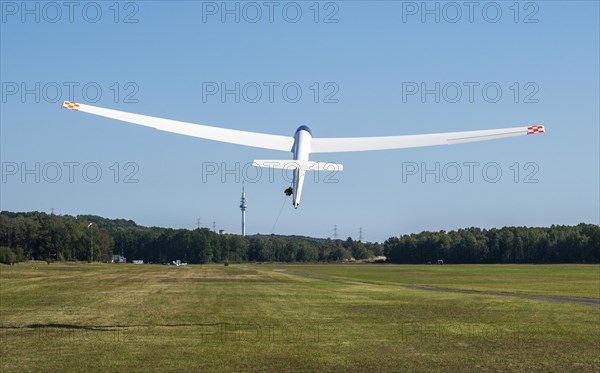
<point x="301" y="151"/>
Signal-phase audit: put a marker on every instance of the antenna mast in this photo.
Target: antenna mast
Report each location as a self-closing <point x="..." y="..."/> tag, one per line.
<point x="243" y="207"/>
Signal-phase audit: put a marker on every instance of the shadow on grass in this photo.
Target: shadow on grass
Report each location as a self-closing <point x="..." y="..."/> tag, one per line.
<point x="103" y="327"/>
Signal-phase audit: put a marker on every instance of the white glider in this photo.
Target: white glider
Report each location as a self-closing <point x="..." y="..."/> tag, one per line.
<point x="302" y="144"/>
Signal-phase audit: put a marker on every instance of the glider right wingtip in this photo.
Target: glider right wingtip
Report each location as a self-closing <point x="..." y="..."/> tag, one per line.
<point x="70" y="105"/>
<point x="531" y="130"/>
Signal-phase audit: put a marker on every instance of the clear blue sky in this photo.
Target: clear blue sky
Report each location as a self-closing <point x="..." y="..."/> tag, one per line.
<point x="372" y="56"/>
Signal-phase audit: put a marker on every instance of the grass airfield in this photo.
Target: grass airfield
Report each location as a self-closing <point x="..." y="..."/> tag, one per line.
<point x="282" y="317"/>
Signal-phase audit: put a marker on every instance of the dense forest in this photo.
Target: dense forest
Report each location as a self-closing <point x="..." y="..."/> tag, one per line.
<point x="40" y="236"/>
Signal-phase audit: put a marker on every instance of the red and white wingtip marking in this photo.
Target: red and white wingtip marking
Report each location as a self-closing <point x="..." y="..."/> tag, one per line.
<point x="70" y="105"/>
<point x="535" y="129"/>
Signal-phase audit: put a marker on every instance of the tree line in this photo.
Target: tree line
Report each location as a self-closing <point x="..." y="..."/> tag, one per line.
<point x="41" y="236"/>
<point x="556" y="244"/>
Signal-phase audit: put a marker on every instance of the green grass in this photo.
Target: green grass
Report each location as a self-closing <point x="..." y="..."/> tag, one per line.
<point x="117" y="318"/>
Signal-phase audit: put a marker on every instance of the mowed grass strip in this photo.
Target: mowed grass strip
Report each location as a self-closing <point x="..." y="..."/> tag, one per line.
<point x="67" y="317"/>
<point x="567" y="280"/>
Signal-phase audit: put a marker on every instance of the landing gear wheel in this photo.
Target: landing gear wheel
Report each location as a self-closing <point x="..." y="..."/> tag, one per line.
<point x="288" y="192"/>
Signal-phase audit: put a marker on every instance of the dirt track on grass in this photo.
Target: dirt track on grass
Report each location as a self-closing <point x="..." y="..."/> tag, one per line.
<point x="588" y="301"/>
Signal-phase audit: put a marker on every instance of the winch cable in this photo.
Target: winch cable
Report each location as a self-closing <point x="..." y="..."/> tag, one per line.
<point x="280" y="211"/>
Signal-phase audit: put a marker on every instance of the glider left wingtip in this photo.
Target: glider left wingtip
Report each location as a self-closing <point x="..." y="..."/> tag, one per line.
<point x="70" y="105"/>
<point x="535" y="129"/>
